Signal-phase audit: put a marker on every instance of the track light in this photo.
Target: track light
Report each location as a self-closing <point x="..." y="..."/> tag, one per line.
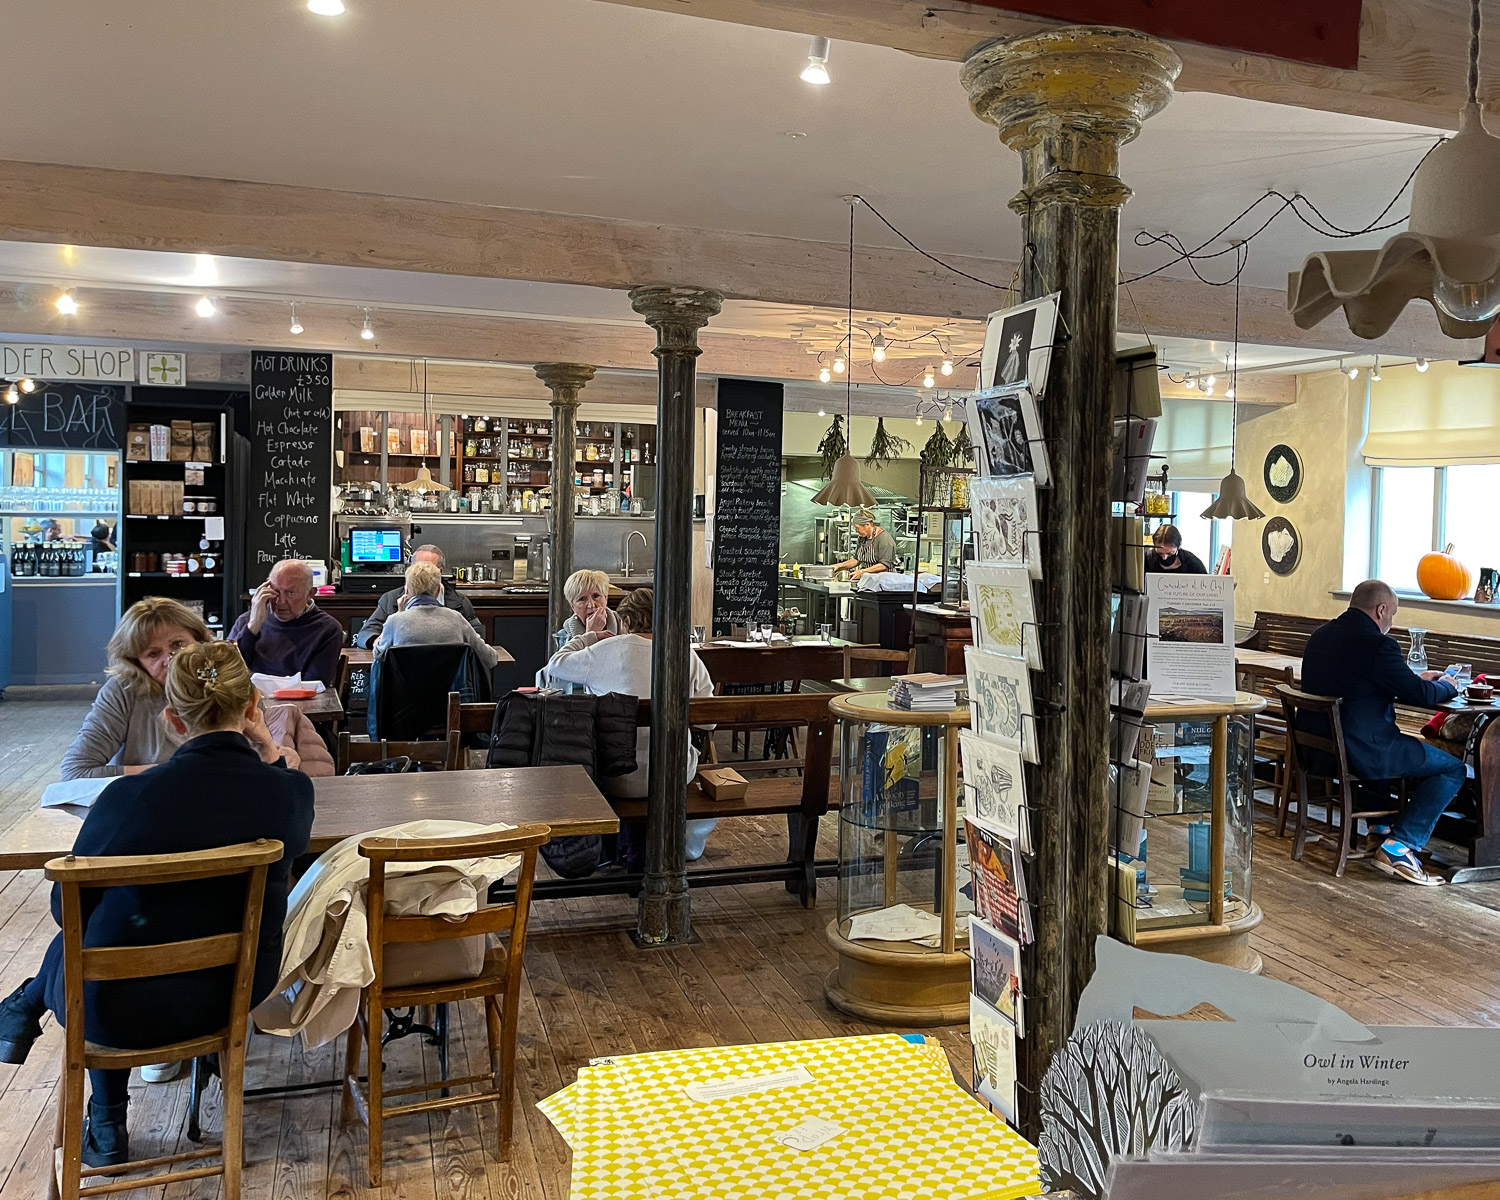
<point x="205" y="307"/>
<point x="1423" y="364"/>
<point x="66" y="304"/>
<point x="26" y="384"/>
<point x="326" y="8"/>
<point x="11" y="395"/>
<point x="879" y="352"/>
<point x="1229" y="395"/>
<point x="367" y="333"/>
<point x="1375" y="371"/>
<point x="824" y="375"/>
<point x="928" y="379"/>
<point x="1211" y="380"/>
<point x="838" y="365"/>
<point x="947" y="367"/>
<point x="296" y="324"/>
<point x="816" y="70"/>
<point x="1353" y="372"/>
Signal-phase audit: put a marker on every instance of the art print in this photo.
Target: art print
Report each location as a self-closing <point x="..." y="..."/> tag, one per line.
<point x="1002" y="613"/>
<point x="995" y="784"/>
<point x="995" y="971"/>
<point x="1018" y="344"/>
<point x="994" y="1041"/>
<point x="1000" y="700"/>
<point x="999" y="882"/>
<point x="1007" y="434"/>
<point x="1006" y="522"/>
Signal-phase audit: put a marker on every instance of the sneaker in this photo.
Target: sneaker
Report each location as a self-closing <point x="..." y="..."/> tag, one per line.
<point x="20" y="1026"/>
<point x="1404" y="864"/>
<point x="161" y="1072"/>
<point x="106" y="1141"/>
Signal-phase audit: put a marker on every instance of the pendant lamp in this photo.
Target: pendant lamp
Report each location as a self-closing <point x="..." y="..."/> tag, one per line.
<point x="424" y="482"/>
<point x="844" y="488"/>
<point x="1232" y="503"/>
<point x="1449" y="254"/>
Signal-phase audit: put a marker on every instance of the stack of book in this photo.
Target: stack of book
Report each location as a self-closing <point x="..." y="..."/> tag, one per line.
<point x="927" y="692"/>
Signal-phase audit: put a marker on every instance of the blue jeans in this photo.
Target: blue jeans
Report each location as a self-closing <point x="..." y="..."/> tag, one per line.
<point x="1437" y="782"/>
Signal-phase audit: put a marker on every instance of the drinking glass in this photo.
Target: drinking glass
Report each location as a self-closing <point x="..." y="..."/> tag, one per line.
<point x="698" y="634"/>
<point x="766" y="629"/>
<point x="825" y="632"/>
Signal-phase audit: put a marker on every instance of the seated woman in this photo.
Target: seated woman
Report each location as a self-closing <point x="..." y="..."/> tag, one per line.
<point x="588" y="593"/>
<point x="124" y="732"/>
<point x="603" y="662"/>
<point x="421" y="619"/>
<point x="214" y="791"/>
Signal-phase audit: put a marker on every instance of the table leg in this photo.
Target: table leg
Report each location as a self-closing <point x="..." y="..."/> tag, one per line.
<point x="1218" y="765"/>
<point x="1484" y="850"/>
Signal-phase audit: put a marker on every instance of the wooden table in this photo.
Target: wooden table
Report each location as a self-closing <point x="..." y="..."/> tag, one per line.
<point x="803" y="658"/>
<point x="562" y="797"/>
<point x="323" y="709"/>
<point x="1264" y="658"/>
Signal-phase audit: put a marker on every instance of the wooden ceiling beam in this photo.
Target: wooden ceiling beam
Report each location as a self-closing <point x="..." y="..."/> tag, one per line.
<point x="141" y="211"/>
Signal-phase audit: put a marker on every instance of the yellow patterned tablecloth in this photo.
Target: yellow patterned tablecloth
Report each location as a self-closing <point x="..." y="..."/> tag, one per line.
<point x="906" y="1129"/>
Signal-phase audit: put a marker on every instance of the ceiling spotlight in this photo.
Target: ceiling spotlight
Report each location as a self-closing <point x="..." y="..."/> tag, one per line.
<point x="11" y="395"/>
<point x="296" y="324"/>
<point x="26" y="384"/>
<point x="816" y="70"/>
<point x="1423" y="364"/>
<point x="1353" y="372"/>
<point x="824" y="375"/>
<point x="1229" y="395"/>
<point x="838" y="365"/>
<point x="326" y="8"/>
<point x="205" y="307"/>
<point x="879" y="344"/>
<point x="947" y="367"/>
<point x="1211" y="380"/>
<point x="66" y="304"/>
<point x="1375" y="371"/>
<point x="366" y="332"/>
<point x="928" y="378"/>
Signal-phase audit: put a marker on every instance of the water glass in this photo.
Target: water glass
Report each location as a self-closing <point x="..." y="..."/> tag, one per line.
<point x="699" y="632"/>
<point x="825" y="632"/>
<point x="766" y="630"/>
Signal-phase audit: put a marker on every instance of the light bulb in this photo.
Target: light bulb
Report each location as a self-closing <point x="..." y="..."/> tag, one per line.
<point x="11" y="395"/>
<point x="1188" y="382"/>
<point x="928" y="379"/>
<point x="1375" y="371"/>
<point x="948" y="413"/>
<point x="879" y="351"/>
<point x="1467" y="301"/>
<point x="296" y="324"/>
<point x="1353" y="372"/>
<point x="821" y="413"/>
<point x="1211" y="380"/>
<point x="1229" y="395"/>
<point x="205" y="307"/>
<point x="1208" y="389"/>
<point x="838" y="365"/>
<point x="26" y="384"/>
<point x="366" y="332"/>
<point x="919" y="421"/>
<point x="326" y="8"/>
<point x="1423" y="364"/>
<point x="816" y="70"/>
<point x="66" y="304"/>
<point x="824" y="375"/>
<point x="947" y="367"/>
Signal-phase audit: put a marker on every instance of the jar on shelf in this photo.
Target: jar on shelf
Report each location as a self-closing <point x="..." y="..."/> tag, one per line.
<point x="481" y="473"/>
<point x="481" y="425"/>
<point x="471" y="447"/>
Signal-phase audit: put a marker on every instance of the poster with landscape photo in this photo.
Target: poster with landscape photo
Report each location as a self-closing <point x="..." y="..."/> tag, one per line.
<point x="1190" y="619"/>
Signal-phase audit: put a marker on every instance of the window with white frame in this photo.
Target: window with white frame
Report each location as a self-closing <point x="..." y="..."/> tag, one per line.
<point x="1204" y="536"/>
<point x="1419" y="509"/>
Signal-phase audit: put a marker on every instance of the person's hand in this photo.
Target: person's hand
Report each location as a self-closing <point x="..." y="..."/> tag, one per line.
<point x="1432" y="675"/>
<point x="597" y="621"/>
<point x="260" y="606"/>
<point x="854" y="576"/>
<point x="401" y="602"/>
<point x="259" y="735"/>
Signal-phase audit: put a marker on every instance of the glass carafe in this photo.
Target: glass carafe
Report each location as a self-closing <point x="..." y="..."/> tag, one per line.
<point x="1416" y="657"/>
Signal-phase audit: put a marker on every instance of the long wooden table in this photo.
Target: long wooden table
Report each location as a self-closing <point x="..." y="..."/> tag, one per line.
<point x="1264" y="658"/>
<point x="563" y="797"/>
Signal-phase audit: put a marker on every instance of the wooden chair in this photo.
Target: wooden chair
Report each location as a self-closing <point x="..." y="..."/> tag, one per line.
<point x="341" y="677"/>
<point x="1339" y="788"/>
<point x="855" y="655"/>
<point x="1268" y="738"/>
<point x="81" y="966"/>
<point x="498" y="985"/>
<point x="441" y="755"/>
<point x="469" y="722"/>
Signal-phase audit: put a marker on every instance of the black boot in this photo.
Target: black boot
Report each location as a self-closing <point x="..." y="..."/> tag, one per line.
<point x="106" y="1142"/>
<point x="20" y="1025"/>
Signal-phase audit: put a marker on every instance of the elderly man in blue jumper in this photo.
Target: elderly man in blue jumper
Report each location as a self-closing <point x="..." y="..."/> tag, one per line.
<point x="285" y="633"/>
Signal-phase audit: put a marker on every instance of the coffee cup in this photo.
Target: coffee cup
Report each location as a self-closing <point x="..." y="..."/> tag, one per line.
<point x="1482" y="692"/>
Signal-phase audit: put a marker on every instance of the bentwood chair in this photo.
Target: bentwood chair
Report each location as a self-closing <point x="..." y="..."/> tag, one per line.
<point x="81" y="966"/>
<point x="498" y="985"/>
<point x="1338" y="785"/>
<point x="854" y="656"/>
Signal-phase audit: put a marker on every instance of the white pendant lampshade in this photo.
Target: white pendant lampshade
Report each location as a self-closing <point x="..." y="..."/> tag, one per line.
<point x="844" y="488"/>
<point x="424" y="482"/>
<point x="1232" y="503"/>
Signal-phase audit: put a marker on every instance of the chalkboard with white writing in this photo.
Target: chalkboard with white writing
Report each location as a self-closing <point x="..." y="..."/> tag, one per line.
<point x="291" y="459"/>
<point x="65" y="416"/>
<point x="747" y="520"/>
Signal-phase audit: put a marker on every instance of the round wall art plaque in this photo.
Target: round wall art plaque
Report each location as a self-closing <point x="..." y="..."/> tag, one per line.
<point x="1283" y="473"/>
<point x="1281" y="545"/>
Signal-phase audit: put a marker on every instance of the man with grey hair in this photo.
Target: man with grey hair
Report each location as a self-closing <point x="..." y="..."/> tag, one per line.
<point x="390" y="602"/>
<point x="875" y="551"/>
<point x="1354" y="658"/>
<point x="285" y="633"/>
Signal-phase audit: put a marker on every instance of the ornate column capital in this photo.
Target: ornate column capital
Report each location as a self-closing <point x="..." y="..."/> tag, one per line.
<point x="676" y="313"/>
<point x="565" y="380"/>
<point x="1067" y="100"/>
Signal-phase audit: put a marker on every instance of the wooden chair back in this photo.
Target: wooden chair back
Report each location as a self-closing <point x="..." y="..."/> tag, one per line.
<point x="470" y="720"/>
<point x="443" y="755"/>
<point x="858" y="658"/>
<point x="1261" y="680"/>
<point x="1293" y="702"/>
<point x="83" y="965"/>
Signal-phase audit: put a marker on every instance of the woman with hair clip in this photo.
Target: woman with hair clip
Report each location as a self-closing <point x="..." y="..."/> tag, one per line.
<point x="214" y="791"/>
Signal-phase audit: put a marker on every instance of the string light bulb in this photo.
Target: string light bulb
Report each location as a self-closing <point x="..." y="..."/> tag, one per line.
<point x="948" y="414"/>
<point x="1375" y="371"/>
<point x="326" y="8"/>
<point x="205" y="307"/>
<point x="928" y="378"/>
<point x="1423" y="364"/>
<point x="878" y="354"/>
<point x="296" y="324"/>
<point x="919" y="420"/>
<point x="367" y="332"/>
<point x="825" y="375"/>
<point x="947" y="367"/>
<point x="27" y="384"/>
<point x="816" y="71"/>
<point x="821" y="413"/>
<point x="838" y="365"/>
<point x="11" y="395"/>
<point x="66" y="304"/>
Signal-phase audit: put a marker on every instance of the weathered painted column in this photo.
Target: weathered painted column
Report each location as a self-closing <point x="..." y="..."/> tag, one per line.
<point x="564" y="381"/>
<point x="676" y="313"/>
<point x="1066" y="101"/>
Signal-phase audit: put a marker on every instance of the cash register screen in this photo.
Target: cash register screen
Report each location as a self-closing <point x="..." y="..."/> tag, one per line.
<point x="375" y="545"/>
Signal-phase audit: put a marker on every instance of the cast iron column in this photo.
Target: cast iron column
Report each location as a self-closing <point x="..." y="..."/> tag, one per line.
<point x="676" y="313"/>
<point x="565" y="381"/>
<point x="1066" y="101"/>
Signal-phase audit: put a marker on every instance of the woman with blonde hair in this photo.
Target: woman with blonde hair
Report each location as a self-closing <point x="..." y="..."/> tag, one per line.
<point x="124" y="732"/>
<point x="214" y="791"/>
<point x="587" y="592"/>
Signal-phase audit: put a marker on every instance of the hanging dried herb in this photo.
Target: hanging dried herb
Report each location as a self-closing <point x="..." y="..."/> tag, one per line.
<point x="885" y="447"/>
<point x="833" y="446"/>
<point x="963" y="448"/>
<point x="938" y="452"/>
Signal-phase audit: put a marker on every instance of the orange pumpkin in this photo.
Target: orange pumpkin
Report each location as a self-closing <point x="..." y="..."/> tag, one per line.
<point x="1443" y="577"/>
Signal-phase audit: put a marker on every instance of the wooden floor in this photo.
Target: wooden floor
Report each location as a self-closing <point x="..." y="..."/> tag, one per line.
<point x="1386" y="952"/>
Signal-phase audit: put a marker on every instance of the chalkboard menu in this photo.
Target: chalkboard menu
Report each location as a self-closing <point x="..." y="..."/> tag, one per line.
<point x="65" y="416"/>
<point x="747" y="521"/>
<point x="291" y="458"/>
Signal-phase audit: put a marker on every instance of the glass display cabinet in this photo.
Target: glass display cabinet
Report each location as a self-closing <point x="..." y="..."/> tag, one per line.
<point x="901" y="867"/>
<point x="1197" y="832"/>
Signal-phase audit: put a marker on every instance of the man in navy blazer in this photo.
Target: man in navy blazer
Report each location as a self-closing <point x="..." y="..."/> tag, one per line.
<point x="1354" y="658"/>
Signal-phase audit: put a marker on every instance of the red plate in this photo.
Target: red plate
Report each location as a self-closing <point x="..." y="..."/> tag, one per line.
<point x="294" y="694"/>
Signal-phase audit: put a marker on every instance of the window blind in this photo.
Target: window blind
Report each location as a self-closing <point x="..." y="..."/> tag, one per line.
<point x="1194" y="436"/>
<point x="1447" y="416"/>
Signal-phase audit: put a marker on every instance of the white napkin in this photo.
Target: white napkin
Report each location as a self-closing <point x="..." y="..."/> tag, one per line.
<point x="80" y="792"/>
<point x="269" y="685"/>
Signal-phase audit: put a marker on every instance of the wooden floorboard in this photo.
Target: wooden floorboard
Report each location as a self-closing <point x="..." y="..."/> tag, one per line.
<point x="1386" y="952"/>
